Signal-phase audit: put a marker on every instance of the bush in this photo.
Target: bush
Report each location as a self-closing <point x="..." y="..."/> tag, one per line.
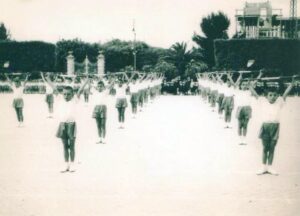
<point x="27" y="56"/>
<point x="280" y="55"/>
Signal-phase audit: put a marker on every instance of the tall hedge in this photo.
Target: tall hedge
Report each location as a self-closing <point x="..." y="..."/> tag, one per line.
<point x="27" y="56"/>
<point x="281" y="55"/>
<point x="80" y="50"/>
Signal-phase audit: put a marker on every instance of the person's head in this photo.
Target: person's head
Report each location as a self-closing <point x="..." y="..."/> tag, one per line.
<point x="100" y="86"/>
<point x="272" y="96"/>
<point x="228" y="83"/>
<point x="17" y="82"/>
<point x="69" y="80"/>
<point x="68" y="93"/>
<point x="120" y="84"/>
<point x="244" y="85"/>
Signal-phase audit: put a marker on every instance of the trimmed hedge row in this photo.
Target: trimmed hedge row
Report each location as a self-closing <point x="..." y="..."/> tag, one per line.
<point x="27" y="56"/>
<point x="281" y="55"/>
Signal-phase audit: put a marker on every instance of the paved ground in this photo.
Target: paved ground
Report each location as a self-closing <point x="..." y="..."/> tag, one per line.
<point x="175" y="159"/>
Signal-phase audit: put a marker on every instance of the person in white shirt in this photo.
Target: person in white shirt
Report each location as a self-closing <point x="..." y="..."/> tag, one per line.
<point x="67" y="130"/>
<point x="244" y="101"/>
<point x="49" y="95"/>
<point x="18" y="103"/>
<point x="270" y="107"/>
<point x="121" y="103"/>
<point x="100" y="102"/>
<point x="228" y="101"/>
<point x="134" y="98"/>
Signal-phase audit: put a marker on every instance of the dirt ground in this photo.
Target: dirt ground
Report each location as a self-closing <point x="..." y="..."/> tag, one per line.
<point x="174" y="159"/>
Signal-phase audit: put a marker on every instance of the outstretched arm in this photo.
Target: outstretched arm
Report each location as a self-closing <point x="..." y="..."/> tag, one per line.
<point x="9" y="81"/>
<point x="219" y="77"/>
<point x="252" y="89"/>
<point x="238" y="81"/>
<point x="229" y="76"/>
<point x="79" y="92"/>
<point x="48" y="81"/>
<point x="25" y="81"/>
<point x="288" y="90"/>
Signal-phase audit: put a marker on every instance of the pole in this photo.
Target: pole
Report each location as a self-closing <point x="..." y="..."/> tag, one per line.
<point x="134" y="51"/>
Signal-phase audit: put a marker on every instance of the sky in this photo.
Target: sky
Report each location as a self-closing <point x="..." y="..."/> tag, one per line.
<point x="159" y="23"/>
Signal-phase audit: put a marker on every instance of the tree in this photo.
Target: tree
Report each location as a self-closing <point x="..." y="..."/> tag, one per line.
<point x="168" y="69"/>
<point x="214" y="26"/>
<point x="179" y="56"/>
<point x="194" y="67"/>
<point x="4" y="33"/>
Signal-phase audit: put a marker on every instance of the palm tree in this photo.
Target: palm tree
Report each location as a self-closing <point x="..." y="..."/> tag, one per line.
<point x="179" y="56"/>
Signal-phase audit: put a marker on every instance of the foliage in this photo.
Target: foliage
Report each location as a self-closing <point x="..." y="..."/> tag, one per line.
<point x="273" y="54"/>
<point x="179" y="56"/>
<point x="194" y="67"/>
<point x="213" y="26"/>
<point x="4" y="33"/>
<point x="168" y="69"/>
<point x="27" y="56"/>
<point x="80" y="50"/>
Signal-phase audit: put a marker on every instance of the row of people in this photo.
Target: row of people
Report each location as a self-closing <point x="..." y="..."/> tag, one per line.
<point x="67" y="92"/>
<point x="226" y="94"/>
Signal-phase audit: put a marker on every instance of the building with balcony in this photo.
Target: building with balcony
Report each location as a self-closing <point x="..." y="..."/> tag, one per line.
<point x="260" y="20"/>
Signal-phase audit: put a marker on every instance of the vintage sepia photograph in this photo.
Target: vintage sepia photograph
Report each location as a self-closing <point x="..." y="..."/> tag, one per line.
<point x="149" y="108"/>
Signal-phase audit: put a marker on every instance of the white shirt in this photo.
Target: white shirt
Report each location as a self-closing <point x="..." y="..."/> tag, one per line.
<point x="18" y="92"/>
<point x="100" y="98"/>
<point x="121" y="92"/>
<point x="67" y="111"/>
<point x="49" y="89"/>
<point x="270" y="113"/>
<point x="133" y="88"/>
<point x="228" y="92"/>
<point x="244" y="98"/>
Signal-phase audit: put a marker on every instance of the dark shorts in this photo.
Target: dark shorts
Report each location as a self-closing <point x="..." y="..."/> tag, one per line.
<point x="18" y="103"/>
<point x="49" y="98"/>
<point x="220" y="98"/>
<point x="134" y="98"/>
<point x="269" y="131"/>
<point x="152" y="92"/>
<point x="228" y="103"/>
<point x="121" y="103"/>
<point x="112" y="92"/>
<point x="244" y="112"/>
<point x="141" y="95"/>
<point x="100" y="111"/>
<point x="66" y="130"/>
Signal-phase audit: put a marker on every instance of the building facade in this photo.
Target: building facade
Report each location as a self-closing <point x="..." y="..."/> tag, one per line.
<point x="260" y="20"/>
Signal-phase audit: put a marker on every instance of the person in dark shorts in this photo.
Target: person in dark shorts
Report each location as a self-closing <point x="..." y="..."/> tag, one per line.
<point x="270" y="107"/>
<point x="49" y="94"/>
<point x="67" y="130"/>
<point x="121" y="103"/>
<point x="100" y="101"/>
<point x="18" y="87"/>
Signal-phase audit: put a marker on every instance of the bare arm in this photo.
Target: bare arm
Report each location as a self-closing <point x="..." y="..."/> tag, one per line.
<point x="9" y="81"/>
<point x="48" y="82"/>
<point x="238" y="81"/>
<point x="229" y="76"/>
<point x="252" y="89"/>
<point x="219" y="77"/>
<point x="25" y="81"/>
<point x="79" y="92"/>
<point x="288" y="90"/>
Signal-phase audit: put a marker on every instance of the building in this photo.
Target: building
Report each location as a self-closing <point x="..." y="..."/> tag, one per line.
<point x="260" y="20"/>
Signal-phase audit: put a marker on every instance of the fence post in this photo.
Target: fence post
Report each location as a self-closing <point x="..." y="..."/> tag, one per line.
<point x="101" y="64"/>
<point x="86" y="61"/>
<point x="70" y="63"/>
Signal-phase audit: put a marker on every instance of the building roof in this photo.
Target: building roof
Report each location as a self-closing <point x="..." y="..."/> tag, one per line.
<point x="254" y="9"/>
